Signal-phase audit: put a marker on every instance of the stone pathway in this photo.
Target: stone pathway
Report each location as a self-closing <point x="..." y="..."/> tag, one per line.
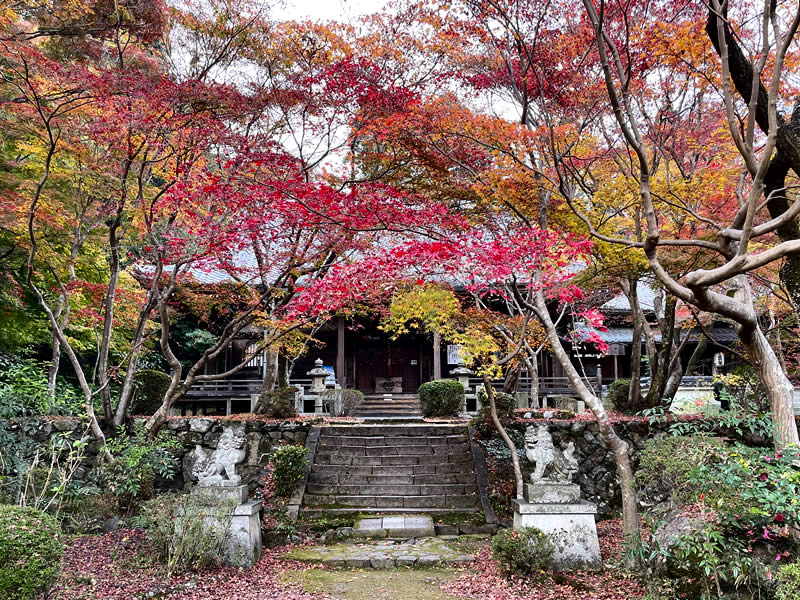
<point x="400" y="584"/>
<point x="398" y="527"/>
<point x="386" y="554"/>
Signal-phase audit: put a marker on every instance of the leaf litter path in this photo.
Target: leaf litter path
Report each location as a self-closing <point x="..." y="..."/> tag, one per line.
<point x="114" y="567"/>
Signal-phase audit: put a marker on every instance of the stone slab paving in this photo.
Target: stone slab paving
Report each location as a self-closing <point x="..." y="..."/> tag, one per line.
<point x="384" y="554"/>
<point x="396" y="526"/>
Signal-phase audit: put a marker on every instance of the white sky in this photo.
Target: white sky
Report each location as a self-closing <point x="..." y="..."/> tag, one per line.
<point x="327" y="10"/>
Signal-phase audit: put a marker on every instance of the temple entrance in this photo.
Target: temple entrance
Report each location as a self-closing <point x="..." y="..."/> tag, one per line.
<point x="391" y="366"/>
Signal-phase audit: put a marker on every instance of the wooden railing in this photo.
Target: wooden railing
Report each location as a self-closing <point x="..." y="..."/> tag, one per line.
<point x="548" y="386"/>
<point x="225" y="388"/>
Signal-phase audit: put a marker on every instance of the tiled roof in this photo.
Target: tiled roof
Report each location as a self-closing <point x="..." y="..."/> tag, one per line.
<point x="647" y="300"/>
<point x="624" y="335"/>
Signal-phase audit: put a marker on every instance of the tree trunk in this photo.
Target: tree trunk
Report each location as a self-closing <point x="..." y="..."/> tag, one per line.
<point x="675" y="369"/>
<point x="283" y="371"/>
<point x="511" y="380"/>
<point x="271" y="371"/>
<point x="52" y="370"/>
<point x="661" y="370"/>
<point x="618" y="447"/>
<point x="634" y="392"/>
<point x="694" y="359"/>
<point x="779" y="389"/>
<point x="487" y="385"/>
<point x="531" y="362"/>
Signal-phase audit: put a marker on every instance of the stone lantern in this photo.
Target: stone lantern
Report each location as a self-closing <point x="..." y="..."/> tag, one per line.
<point x="318" y="376"/>
<point x="463" y="374"/>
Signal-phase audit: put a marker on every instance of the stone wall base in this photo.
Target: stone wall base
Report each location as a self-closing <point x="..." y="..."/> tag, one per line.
<point x="571" y="529"/>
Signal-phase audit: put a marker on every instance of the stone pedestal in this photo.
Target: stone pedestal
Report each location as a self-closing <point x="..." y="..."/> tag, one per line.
<point x="570" y="526"/>
<point x="552" y="493"/>
<point x="242" y="545"/>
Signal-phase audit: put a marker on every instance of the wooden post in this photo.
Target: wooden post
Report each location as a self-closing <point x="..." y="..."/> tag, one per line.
<point x="437" y="355"/>
<point x="340" y="376"/>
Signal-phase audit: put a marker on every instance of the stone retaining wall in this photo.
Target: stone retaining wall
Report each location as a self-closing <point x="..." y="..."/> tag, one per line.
<point x="597" y="470"/>
<point x="261" y="437"/>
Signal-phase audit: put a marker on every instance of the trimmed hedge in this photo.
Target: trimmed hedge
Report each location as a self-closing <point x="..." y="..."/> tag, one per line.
<point x="30" y="552"/>
<point x="618" y="393"/>
<point x="279" y="403"/>
<point x="150" y="387"/>
<point x="441" y="398"/>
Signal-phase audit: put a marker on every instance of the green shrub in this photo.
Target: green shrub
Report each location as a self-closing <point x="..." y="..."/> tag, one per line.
<point x="505" y="404"/>
<point x="289" y="466"/>
<point x="666" y="463"/>
<point x="523" y="552"/>
<point x="149" y="389"/>
<point x="746" y="500"/>
<point x="441" y="398"/>
<point x="184" y="533"/>
<point x="138" y="460"/>
<point x="342" y="403"/>
<point x="24" y="391"/>
<point x="279" y="403"/>
<point x="618" y="393"/>
<point x="787" y="582"/>
<point x="30" y="552"/>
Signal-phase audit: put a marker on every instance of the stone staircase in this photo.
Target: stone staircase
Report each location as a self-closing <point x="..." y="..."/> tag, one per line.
<point x="392" y="469"/>
<point x="398" y="406"/>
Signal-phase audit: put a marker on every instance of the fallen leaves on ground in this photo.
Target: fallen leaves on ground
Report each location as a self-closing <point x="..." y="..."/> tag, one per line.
<point x="113" y="567"/>
<point x="484" y="580"/>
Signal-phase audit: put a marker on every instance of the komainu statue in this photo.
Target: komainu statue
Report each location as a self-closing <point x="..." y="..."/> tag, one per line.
<point x="219" y="469"/>
<point x="552" y="465"/>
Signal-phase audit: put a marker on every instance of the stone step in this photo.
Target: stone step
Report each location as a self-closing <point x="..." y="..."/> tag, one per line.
<point x="331" y="477"/>
<point x="456" y="501"/>
<point x="416" y="469"/>
<point x="444" y="489"/>
<point x="441" y="468"/>
<point x="393" y="430"/>
<point x="390" y="440"/>
<point x="395" y="527"/>
<point x="384" y="554"/>
<point x="384" y="450"/>
<point x="391" y="460"/>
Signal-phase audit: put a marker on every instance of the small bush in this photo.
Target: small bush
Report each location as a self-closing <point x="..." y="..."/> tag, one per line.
<point x="505" y="404"/>
<point x="342" y="403"/>
<point x="523" y="552"/>
<point x="667" y="462"/>
<point x="289" y="466"/>
<point x="149" y="390"/>
<point x="618" y="393"/>
<point x="138" y="460"/>
<point x="30" y="552"/>
<point x="184" y="533"/>
<point x="441" y="398"/>
<point x="787" y="582"/>
<point x="279" y="403"/>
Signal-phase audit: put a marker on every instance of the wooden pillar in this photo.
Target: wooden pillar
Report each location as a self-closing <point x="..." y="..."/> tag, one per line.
<point x="340" y="374"/>
<point x="437" y="355"/>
